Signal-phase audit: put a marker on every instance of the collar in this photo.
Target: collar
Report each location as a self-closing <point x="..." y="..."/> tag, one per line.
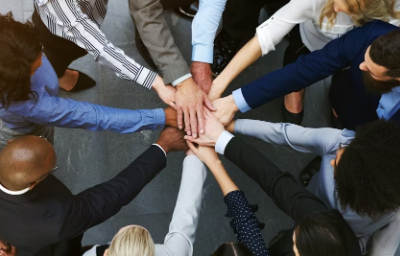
<point x="13" y="193"/>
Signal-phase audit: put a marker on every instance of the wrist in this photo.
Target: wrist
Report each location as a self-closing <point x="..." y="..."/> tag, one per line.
<point x="164" y="146"/>
<point x="184" y="83"/>
<point x="170" y="117"/>
<point x="158" y="84"/>
<point x="214" y="165"/>
<point x="232" y="104"/>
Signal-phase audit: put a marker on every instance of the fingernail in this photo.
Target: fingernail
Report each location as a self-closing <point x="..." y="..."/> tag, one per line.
<point x="188" y="133"/>
<point x="180" y="127"/>
<point x="201" y="131"/>
<point x="194" y="135"/>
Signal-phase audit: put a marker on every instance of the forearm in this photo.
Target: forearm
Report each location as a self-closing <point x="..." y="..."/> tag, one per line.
<point x="187" y="209"/>
<point x="55" y="111"/>
<point x="307" y="140"/>
<point x="224" y="180"/>
<point x="77" y="27"/>
<point x="245" y="222"/>
<point x="204" y="28"/>
<point x="158" y="39"/>
<point x="244" y="58"/>
<point x="102" y="201"/>
<point x="283" y="188"/>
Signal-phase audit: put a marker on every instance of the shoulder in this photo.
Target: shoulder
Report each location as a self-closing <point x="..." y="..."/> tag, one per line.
<point x="377" y="28"/>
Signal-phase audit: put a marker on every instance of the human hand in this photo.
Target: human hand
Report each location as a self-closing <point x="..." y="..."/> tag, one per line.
<point x="205" y="154"/>
<point x="171" y="139"/>
<point x="214" y="128"/>
<point x="165" y="92"/>
<point x="226" y="109"/>
<point x="201" y="72"/>
<point x="189" y="100"/>
<point x="7" y="250"/>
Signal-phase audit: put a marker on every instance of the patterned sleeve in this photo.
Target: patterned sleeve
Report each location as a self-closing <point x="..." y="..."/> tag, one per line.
<point x="66" y="19"/>
<point x="245" y="223"/>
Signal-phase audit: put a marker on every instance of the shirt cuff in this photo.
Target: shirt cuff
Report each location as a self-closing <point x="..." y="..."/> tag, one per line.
<point x="155" y="144"/>
<point x="240" y="100"/>
<point x="203" y="53"/>
<point x="223" y="141"/>
<point x="159" y="118"/>
<point x="181" y="79"/>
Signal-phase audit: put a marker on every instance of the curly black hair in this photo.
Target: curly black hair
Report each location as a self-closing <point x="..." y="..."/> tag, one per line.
<point x="19" y="47"/>
<point x="368" y="173"/>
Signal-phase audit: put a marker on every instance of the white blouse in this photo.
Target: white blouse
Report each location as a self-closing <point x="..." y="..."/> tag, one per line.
<point x="307" y="14"/>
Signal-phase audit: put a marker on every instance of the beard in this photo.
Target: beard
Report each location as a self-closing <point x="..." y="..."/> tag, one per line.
<point x="378" y="87"/>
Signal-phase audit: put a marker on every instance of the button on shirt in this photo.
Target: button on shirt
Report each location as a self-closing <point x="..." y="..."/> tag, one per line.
<point x="245" y="223"/>
<point x="45" y="108"/>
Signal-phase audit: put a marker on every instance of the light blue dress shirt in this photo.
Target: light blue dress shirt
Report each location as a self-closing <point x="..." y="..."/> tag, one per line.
<point x="325" y="142"/>
<point x="389" y="104"/>
<point x="204" y="28"/>
<point x="45" y="108"/>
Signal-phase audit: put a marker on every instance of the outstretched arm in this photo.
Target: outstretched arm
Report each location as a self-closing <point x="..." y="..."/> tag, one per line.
<point x="56" y="111"/>
<point x="269" y="34"/>
<point x="308" y="140"/>
<point x="244" y="221"/>
<point x="101" y="202"/>
<point x="182" y="229"/>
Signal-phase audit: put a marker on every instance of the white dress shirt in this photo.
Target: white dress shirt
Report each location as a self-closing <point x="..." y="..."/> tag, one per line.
<point x="306" y="13"/>
<point x="79" y="21"/>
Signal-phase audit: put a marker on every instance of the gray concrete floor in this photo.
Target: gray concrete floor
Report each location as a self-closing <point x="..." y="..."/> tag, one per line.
<point x="88" y="158"/>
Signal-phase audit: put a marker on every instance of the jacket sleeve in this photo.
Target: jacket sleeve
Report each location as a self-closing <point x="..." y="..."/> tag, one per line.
<point x="291" y="197"/>
<point x="101" y="202"/>
<point x="309" y="69"/>
<point x="157" y="37"/>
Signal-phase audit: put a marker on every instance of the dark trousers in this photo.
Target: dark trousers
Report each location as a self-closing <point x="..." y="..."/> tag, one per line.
<point x="60" y="52"/>
<point x="240" y="18"/>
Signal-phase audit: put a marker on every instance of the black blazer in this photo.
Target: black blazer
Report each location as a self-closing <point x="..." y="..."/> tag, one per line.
<point x="291" y="197"/>
<point x="49" y="213"/>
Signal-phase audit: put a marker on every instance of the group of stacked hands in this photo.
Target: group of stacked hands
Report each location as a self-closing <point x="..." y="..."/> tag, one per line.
<point x="350" y="206"/>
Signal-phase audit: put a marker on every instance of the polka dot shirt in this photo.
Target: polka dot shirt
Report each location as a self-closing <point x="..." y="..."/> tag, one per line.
<point x="244" y="222"/>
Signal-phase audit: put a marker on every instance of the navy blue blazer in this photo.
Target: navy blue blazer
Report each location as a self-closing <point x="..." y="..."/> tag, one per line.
<point x="353" y="103"/>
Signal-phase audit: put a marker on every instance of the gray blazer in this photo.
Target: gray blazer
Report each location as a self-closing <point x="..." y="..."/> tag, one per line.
<point x="156" y="36"/>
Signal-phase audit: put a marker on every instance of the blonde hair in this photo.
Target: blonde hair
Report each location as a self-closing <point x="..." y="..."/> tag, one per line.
<point x="132" y="241"/>
<point x="362" y="11"/>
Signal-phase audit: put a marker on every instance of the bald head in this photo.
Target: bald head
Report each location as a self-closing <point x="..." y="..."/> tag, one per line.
<point x="24" y="161"/>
